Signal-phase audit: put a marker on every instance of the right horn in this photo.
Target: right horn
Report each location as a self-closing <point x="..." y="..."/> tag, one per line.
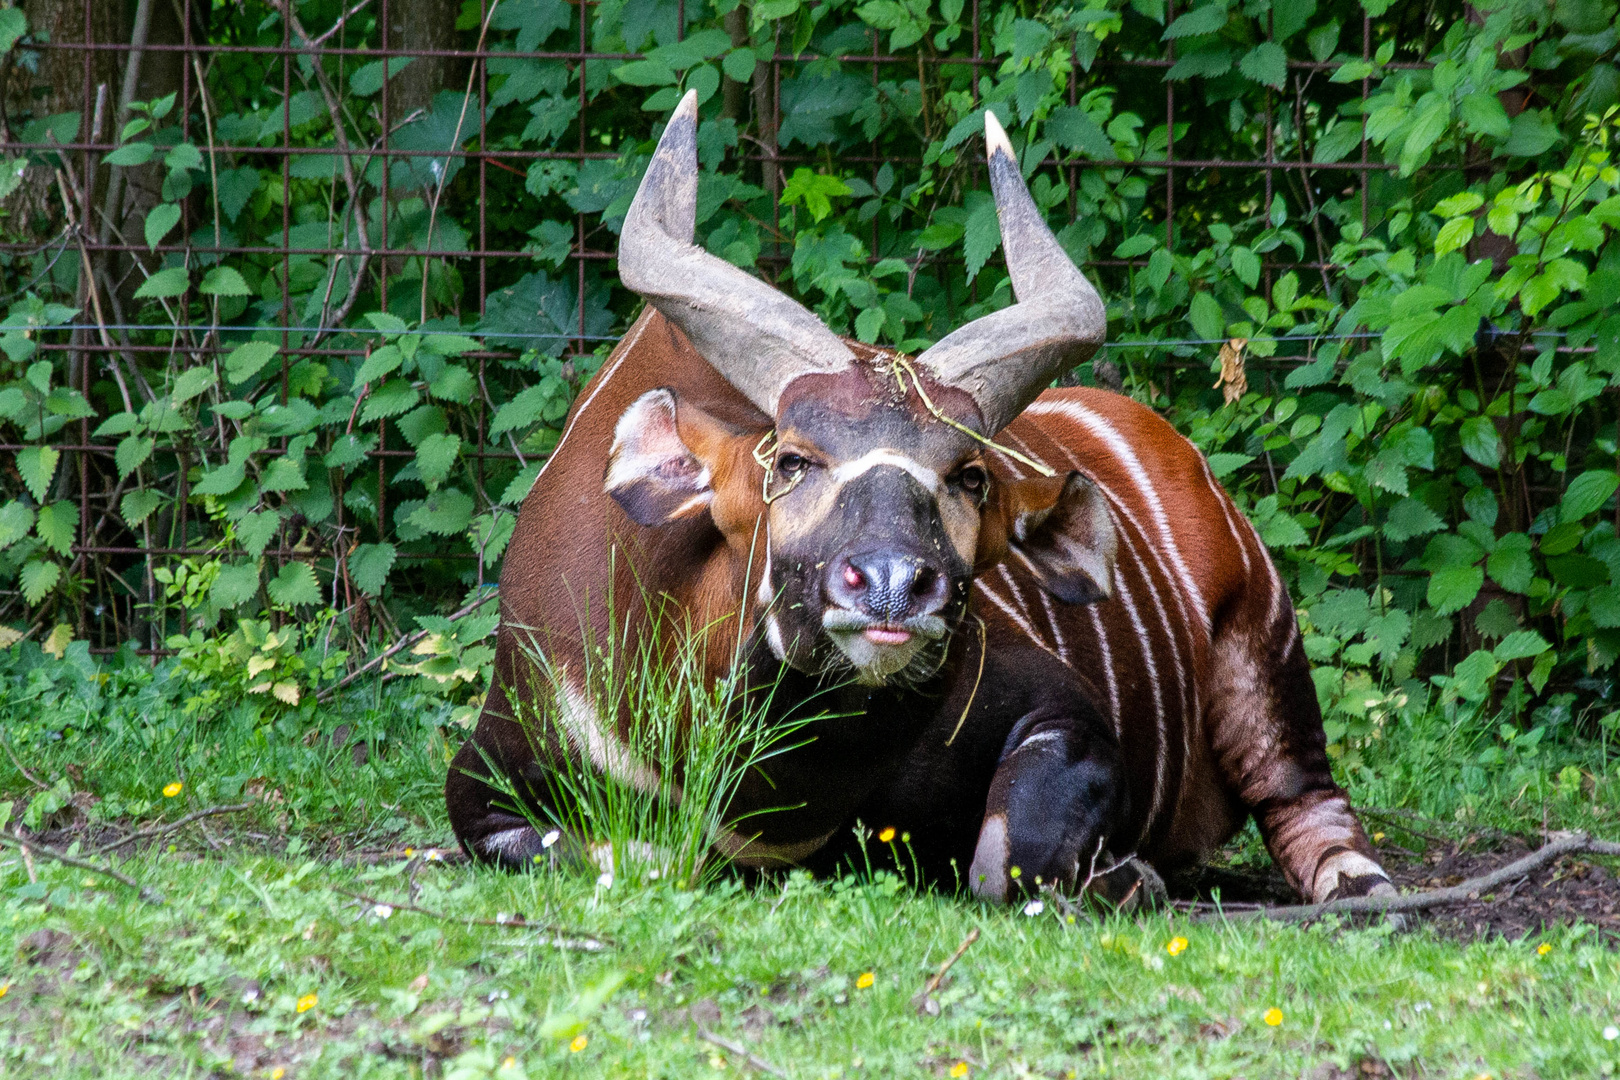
<point x="1005" y="359"/>
<point x="757" y="338"/>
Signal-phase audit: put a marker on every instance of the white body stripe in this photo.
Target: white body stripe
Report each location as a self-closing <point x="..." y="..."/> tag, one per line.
<point x="1121" y="449"/>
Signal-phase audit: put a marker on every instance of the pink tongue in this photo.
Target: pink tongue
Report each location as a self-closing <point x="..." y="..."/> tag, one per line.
<point x="887" y="637"/>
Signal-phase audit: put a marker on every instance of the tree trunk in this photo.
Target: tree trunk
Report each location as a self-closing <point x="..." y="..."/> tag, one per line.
<point x="428" y="25"/>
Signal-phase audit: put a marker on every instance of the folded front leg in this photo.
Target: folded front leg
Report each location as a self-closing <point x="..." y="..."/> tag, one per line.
<point x="1056" y="798"/>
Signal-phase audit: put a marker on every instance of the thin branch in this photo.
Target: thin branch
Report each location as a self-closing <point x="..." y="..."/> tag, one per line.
<point x="566" y="937"/>
<point x="920" y="1002"/>
<point x="403" y="643"/>
<point x="30" y="777"/>
<point x="1575" y="843"/>
<point x="753" y="1060"/>
<point x="171" y="826"/>
<point x="151" y="896"/>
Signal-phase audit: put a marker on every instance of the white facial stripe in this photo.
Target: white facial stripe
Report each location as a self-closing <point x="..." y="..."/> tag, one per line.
<point x="849" y="470"/>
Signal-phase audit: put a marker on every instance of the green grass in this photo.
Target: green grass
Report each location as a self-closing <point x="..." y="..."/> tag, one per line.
<point x="257" y="917"/>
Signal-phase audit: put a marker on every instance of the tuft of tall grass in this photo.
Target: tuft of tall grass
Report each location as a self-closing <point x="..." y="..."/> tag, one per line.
<point x="643" y="750"/>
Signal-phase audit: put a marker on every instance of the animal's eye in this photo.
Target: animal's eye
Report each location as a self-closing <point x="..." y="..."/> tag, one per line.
<point x="792" y="464"/>
<point x="972" y="478"/>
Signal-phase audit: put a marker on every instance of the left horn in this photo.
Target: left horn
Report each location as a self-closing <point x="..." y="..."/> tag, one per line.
<point x="1005" y="359"/>
<point x="757" y="338"/>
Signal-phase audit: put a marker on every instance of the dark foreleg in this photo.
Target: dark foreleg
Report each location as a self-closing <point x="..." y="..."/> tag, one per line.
<point x="1055" y="799"/>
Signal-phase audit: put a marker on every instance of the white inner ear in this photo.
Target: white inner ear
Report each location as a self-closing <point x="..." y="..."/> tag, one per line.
<point x="647" y="445"/>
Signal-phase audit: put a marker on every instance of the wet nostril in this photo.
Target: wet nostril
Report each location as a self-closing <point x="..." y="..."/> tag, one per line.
<point x="924" y="580"/>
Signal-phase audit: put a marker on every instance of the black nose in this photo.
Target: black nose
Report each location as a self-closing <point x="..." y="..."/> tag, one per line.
<point x="888" y="585"/>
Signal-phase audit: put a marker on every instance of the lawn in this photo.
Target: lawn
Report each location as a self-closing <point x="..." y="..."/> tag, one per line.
<point x="331" y="930"/>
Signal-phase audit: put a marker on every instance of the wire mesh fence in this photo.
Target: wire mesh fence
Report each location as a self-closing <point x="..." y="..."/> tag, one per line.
<point x="258" y="200"/>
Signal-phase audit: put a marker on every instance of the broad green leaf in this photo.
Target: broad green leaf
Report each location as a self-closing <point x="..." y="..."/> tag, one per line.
<point x="1455" y="588"/>
<point x="982" y="237"/>
<point x="1073" y="129"/>
<point x="1510" y="565"/>
<point x="38" y="579"/>
<point x="283" y="474"/>
<point x="1246" y="265"/>
<point x="368" y="78"/>
<point x="190" y="383"/>
<point x="1221" y="465"/>
<point x="117" y="424"/>
<point x="1587" y="493"/>
<point x="236" y="584"/>
<point x="1208" y="321"/>
<point x="1521" y="645"/>
<point x="221" y="481"/>
<point x="16" y="520"/>
<point x="255" y="531"/>
<point x="294" y="586"/>
<point x="1480" y="441"/>
<point x="135" y="153"/>
<point x="388" y="324"/>
<point x="138" y="506"/>
<point x="1453" y="235"/>
<point x="435" y="456"/>
<point x="445" y="512"/>
<point x="1410" y="518"/>
<point x="369" y="565"/>
<point x="739" y="64"/>
<point x="13" y="25"/>
<point x="164" y="284"/>
<point x="184" y="156"/>
<point x="868" y="324"/>
<point x="1464" y="202"/>
<point x="395" y="397"/>
<point x="1203" y="20"/>
<point x="161" y="218"/>
<point x="58" y="526"/>
<point x="1266" y="64"/>
<point x="224" y="281"/>
<point x="132" y="452"/>
<point x="244" y="361"/>
<point x="37" y="467"/>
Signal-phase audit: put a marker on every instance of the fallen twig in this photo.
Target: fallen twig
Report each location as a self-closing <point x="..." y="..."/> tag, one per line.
<point x="754" y="1060"/>
<point x="566" y="937"/>
<point x="920" y="1002"/>
<point x="1401" y="814"/>
<point x="150" y="895"/>
<point x="403" y="643"/>
<point x="30" y="777"/>
<point x="171" y="826"/>
<point x="1575" y="843"/>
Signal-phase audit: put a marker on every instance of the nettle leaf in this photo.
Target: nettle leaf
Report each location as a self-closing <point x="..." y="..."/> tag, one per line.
<point x="139" y="505"/>
<point x="294" y="586"/>
<point x="1073" y="128"/>
<point x="1410" y="518"/>
<point x="518" y="489"/>
<point x="37" y="467"/>
<point x="16" y="520"/>
<point x="982" y="234"/>
<point x="244" y="361"/>
<point x="444" y="512"/>
<point x="1204" y="20"/>
<point x="1481" y="442"/>
<point x="284" y="474"/>
<point x="256" y="530"/>
<point x="1586" y="494"/>
<point x="1521" y="645"/>
<point x="164" y="284"/>
<point x="369" y="565"/>
<point x="1510" y="565"/>
<point x="57" y="525"/>
<point x="435" y="457"/>
<point x="38" y="579"/>
<point x="236" y="584"/>
<point x="161" y="218"/>
<point x="190" y="383"/>
<point x="224" y="281"/>
<point x="395" y="397"/>
<point x="132" y="452"/>
<point x="1454" y="588"/>
<point x="1221" y="465"/>
<point x="1266" y="64"/>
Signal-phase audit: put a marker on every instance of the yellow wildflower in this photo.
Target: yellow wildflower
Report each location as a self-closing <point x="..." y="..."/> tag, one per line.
<point x="886" y="835"/>
<point x="1176" y="946"/>
<point x="865" y="981"/>
<point x="959" y="1070"/>
<point x="307" y="1002"/>
<point x="509" y="1063"/>
<point x="1377" y="837"/>
<point x="172" y="790"/>
<point x="277" y="1073"/>
<point x="1273" y="1016"/>
<point x="1544" y="948"/>
<point x="5" y="988"/>
<point x="580" y="1042"/>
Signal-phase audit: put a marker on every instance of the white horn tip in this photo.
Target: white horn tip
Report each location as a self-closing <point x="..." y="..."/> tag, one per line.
<point x="687" y="109"/>
<point x="995" y="136"/>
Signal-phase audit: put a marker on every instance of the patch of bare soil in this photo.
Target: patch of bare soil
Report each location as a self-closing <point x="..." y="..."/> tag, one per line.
<point x="1573" y="890"/>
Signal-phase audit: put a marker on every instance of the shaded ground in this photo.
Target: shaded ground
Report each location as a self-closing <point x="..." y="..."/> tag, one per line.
<point x="1572" y="890"/>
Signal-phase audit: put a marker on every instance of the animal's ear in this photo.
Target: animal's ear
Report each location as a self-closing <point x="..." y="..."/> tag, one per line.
<point x="651" y="472"/>
<point x="1059" y="528"/>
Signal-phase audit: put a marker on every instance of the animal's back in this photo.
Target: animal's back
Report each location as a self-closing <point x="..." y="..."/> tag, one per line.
<point x="1190" y="569"/>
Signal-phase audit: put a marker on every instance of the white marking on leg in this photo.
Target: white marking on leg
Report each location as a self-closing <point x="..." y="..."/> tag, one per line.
<point x="1340" y="866"/>
<point x="987" y="876"/>
<point x="605" y="749"/>
<point x="508" y="841"/>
